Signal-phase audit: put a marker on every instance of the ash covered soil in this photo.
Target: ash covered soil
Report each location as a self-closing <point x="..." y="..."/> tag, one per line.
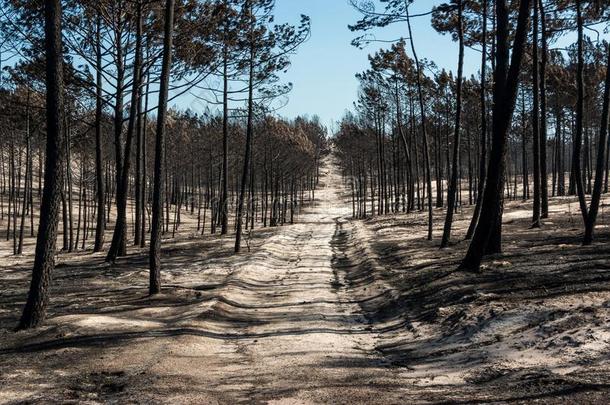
<point x="330" y="310"/>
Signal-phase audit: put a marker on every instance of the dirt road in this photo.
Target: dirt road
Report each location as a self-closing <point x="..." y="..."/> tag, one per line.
<point x="275" y="325"/>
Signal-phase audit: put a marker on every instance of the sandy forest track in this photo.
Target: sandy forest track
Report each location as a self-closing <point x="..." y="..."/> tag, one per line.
<point x="329" y="310"/>
<point x="278" y="324"/>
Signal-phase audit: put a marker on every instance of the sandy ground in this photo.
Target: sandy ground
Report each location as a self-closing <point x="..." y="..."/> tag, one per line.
<point x="326" y="311"/>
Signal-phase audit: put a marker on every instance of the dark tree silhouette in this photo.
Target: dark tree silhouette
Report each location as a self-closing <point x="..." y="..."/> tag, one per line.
<point x="44" y="262"/>
<point x="155" y="238"/>
<point x="488" y="233"/>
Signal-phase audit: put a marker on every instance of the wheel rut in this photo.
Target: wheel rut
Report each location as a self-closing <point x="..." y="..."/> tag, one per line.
<point x="311" y="340"/>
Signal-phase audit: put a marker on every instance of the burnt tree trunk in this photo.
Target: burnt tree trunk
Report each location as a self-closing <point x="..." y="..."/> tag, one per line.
<point x="424" y="130"/>
<point x="580" y="105"/>
<point x="600" y="167"/>
<point x="118" y="246"/>
<point x="544" y="186"/>
<point x="44" y="261"/>
<point x="99" y="175"/>
<point x="489" y="228"/>
<point x="536" y="121"/>
<point x="456" y="136"/>
<point x="155" y="238"/>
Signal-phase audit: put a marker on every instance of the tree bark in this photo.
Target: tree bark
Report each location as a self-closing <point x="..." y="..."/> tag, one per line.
<point x="544" y="186"/>
<point x="580" y="105"/>
<point x="118" y="246"/>
<point x="600" y="167"/>
<point x="423" y="127"/>
<point x="27" y="175"/>
<point x="249" y="131"/>
<point x="483" y="140"/>
<point x="155" y="238"/>
<point x="456" y="136"/>
<point x="44" y="261"/>
<point x="224" y="209"/>
<point x="489" y="228"/>
<point x="536" y="121"/>
<point x="99" y="175"/>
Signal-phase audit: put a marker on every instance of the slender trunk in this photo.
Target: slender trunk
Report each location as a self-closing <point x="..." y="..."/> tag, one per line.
<point x="544" y="187"/>
<point x="138" y="179"/>
<point x="155" y="238"/>
<point x="423" y="127"/>
<point x="69" y="184"/>
<point x="249" y="131"/>
<point x="118" y="247"/>
<point x="456" y="136"/>
<point x="27" y="175"/>
<point x="80" y="201"/>
<point x="524" y="159"/>
<point x="144" y="171"/>
<point x="118" y="138"/>
<point x="536" y="121"/>
<point x="580" y="105"/>
<point x="99" y="176"/>
<point x="600" y="167"/>
<point x="224" y="209"/>
<point x="44" y="261"/>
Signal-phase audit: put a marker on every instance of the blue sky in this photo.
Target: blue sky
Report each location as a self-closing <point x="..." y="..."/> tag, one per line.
<point x="323" y="70"/>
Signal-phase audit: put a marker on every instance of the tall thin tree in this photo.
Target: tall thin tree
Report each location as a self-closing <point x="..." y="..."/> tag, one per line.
<point x="155" y="238"/>
<point x="601" y="163"/>
<point x="457" y="131"/>
<point x="99" y="173"/>
<point x="536" y="119"/>
<point x="44" y="261"/>
<point x="506" y="82"/>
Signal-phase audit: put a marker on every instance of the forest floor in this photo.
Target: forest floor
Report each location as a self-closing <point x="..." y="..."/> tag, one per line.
<point x="329" y="310"/>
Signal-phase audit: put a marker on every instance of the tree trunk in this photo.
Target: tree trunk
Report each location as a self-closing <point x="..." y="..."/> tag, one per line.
<point x="118" y="243"/>
<point x="580" y="104"/>
<point x="224" y="209"/>
<point x="155" y="238"/>
<point x="488" y="232"/>
<point x="600" y="167"/>
<point x="44" y="261"/>
<point x="423" y="127"/>
<point x="544" y="186"/>
<point x="536" y="121"/>
<point x="99" y="176"/>
<point x="249" y="130"/>
<point x="144" y="119"/>
<point x="28" y="169"/>
<point x="456" y="136"/>
<point x="118" y="246"/>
